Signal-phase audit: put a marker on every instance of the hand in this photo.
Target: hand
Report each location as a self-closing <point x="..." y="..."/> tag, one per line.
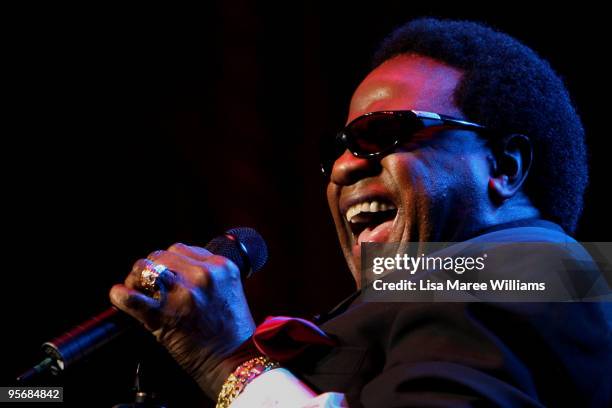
<point x="202" y="316"/>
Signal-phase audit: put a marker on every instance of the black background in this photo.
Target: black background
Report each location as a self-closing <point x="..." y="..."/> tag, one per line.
<point x="128" y="130"/>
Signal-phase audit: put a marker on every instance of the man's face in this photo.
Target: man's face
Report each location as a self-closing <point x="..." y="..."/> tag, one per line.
<point x="432" y="188"/>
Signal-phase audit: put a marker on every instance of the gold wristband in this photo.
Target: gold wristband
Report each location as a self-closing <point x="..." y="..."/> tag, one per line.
<point x="241" y="377"/>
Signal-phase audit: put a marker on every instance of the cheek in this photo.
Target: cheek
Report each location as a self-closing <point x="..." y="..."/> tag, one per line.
<point x="332" y="197"/>
<point x="464" y="180"/>
<point x="332" y="201"/>
<point x="329" y="191"/>
<point x="479" y="168"/>
<point x="420" y="178"/>
<point x="438" y="179"/>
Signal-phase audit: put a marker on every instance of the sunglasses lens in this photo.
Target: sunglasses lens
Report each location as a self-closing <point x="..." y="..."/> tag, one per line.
<point x="367" y="136"/>
<point x="377" y="132"/>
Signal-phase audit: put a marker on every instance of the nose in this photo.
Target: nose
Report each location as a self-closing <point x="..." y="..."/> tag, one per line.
<point x="349" y="169"/>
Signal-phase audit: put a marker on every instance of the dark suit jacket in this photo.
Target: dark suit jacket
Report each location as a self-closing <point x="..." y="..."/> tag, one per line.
<point x="467" y="354"/>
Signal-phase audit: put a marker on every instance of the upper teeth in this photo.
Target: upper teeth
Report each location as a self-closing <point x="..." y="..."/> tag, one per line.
<point x="367" y="206"/>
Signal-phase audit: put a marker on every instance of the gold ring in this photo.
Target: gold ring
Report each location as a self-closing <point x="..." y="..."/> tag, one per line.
<point x="149" y="275"/>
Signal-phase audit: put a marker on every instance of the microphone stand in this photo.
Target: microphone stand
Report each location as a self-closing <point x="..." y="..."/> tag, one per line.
<point x="142" y="398"/>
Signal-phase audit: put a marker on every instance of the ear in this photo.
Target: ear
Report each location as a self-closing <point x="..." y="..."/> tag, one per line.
<point x="510" y="164"/>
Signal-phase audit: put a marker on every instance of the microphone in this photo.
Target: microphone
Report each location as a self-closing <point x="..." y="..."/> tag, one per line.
<point x="243" y="246"/>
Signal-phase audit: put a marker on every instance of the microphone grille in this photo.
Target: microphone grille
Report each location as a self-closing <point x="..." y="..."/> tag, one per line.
<point x="250" y="245"/>
<point x="254" y="244"/>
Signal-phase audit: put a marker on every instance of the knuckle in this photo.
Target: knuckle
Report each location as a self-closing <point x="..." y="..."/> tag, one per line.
<point x="232" y="272"/>
<point x="139" y="265"/>
<point x="201" y="251"/>
<point x="155" y="255"/>
<point x="177" y="247"/>
<point x="228" y="268"/>
<point x="201" y="275"/>
<point x="115" y="295"/>
<point x="219" y="262"/>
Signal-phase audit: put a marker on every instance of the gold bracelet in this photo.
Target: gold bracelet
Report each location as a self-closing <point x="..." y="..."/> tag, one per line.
<point x="241" y="377"/>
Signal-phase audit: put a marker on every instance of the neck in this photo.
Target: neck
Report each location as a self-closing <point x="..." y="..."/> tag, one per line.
<point x="516" y="208"/>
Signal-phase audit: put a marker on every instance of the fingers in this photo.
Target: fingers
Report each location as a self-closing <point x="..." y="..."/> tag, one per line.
<point x="215" y="264"/>
<point x="165" y="279"/>
<point x="137" y="305"/>
<point x="187" y="268"/>
<point x="132" y="281"/>
<point x="174" y="262"/>
<point x="194" y="252"/>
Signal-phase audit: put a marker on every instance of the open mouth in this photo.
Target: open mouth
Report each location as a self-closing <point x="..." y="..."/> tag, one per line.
<point x="371" y="220"/>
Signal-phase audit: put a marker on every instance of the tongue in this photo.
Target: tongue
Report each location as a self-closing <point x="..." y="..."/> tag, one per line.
<point x="379" y="233"/>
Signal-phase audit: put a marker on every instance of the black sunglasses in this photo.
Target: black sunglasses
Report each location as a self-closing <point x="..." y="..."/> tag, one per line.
<point x="377" y="133"/>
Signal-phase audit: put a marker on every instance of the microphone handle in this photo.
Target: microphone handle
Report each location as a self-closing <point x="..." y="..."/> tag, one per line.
<point x="80" y="341"/>
<point x="88" y="336"/>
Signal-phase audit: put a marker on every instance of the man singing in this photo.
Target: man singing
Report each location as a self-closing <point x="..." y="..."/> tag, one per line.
<point x="458" y="133"/>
